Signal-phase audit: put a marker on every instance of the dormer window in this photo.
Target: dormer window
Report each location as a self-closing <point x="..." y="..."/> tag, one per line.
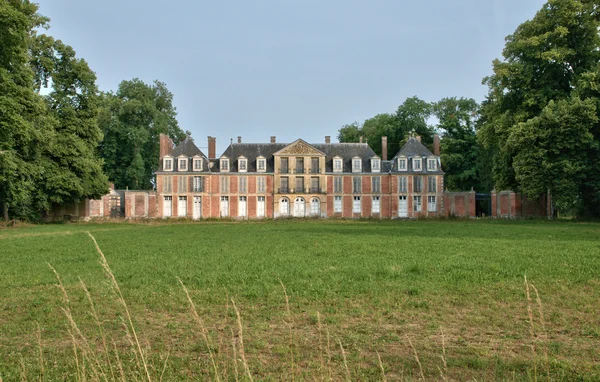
<point x="402" y="164"/>
<point x="432" y="164"/>
<point x="417" y="164"/>
<point x="167" y="164"/>
<point x="356" y="165"/>
<point x="197" y="164"/>
<point x="183" y="164"/>
<point x="375" y="164"/>
<point x="242" y="164"/>
<point x="338" y="165"/>
<point x="224" y="165"/>
<point x="261" y="164"/>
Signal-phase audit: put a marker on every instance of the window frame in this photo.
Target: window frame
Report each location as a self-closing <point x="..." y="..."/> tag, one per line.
<point x="259" y="161"/>
<point x="417" y="201"/>
<point x="355" y="167"/>
<point x="431" y="201"/>
<point x="376" y="184"/>
<point x="261" y="180"/>
<point x="429" y="167"/>
<point x="375" y="165"/>
<point x="336" y="180"/>
<point x="419" y="182"/>
<point x="337" y="205"/>
<point x="198" y="184"/>
<point x="355" y="189"/>
<point x="404" y="161"/>
<point x="197" y="159"/>
<point x="242" y="184"/>
<point x="224" y="165"/>
<point x="356" y="202"/>
<point x="182" y="160"/>
<point x="378" y="199"/>
<point x="244" y="161"/>
<point x="419" y="161"/>
<point x="431" y="189"/>
<point x="338" y="164"/>
<point x="168" y="159"/>
<point x="402" y="184"/>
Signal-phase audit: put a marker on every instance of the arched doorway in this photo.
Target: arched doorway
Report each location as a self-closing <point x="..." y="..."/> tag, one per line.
<point x="315" y="207"/>
<point x="284" y="207"/>
<point x="299" y="207"/>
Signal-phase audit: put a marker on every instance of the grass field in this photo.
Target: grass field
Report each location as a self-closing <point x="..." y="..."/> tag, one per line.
<point x="367" y="301"/>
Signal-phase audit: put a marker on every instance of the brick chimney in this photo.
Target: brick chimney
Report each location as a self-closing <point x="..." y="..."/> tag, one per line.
<point x="418" y="138"/>
<point x="327" y="139"/>
<point x="272" y="139"/>
<point x="239" y="139"/>
<point x="166" y="145"/>
<point x="212" y="147"/>
<point x="436" y="145"/>
<point x="384" y="148"/>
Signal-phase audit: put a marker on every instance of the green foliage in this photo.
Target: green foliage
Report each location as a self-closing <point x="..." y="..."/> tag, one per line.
<point x="132" y="120"/>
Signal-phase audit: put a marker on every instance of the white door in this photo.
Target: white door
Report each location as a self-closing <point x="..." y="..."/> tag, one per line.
<point x="284" y="207"/>
<point x="299" y="207"/>
<point x="224" y="206"/>
<point x="315" y="207"/>
<point x="403" y="207"/>
<point x="197" y="207"/>
<point x="260" y="207"/>
<point x="168" y="206"/>
<point x="242" y="206"/>
<point x="182" y="206"/>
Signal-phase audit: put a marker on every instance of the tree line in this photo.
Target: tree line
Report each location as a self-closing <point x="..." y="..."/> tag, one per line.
<point x="538" y="129"/>
<point x="61" y="138"/>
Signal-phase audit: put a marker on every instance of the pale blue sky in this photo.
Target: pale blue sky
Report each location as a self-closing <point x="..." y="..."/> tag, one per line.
<point x="290" y="68"/>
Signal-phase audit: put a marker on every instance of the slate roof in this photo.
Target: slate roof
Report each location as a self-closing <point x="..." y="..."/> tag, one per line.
<point x="415" y="149"/>
<point x="347" y="151"/>
<point x="251" y="151"/>
<point x="188" y="148"/>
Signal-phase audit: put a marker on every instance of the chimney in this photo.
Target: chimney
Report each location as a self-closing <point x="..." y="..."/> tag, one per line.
<point x="418" y="137"/>
<point x="212" y="147"/>
<point x="239" y="139"/>
<point x="360" y="140"/>
<point x="272" y="139"/>
<point x="436" y="145"/>
<point x="327" y="139"/>
<point x="383" y="148"/>
<point x="166" y="145"/>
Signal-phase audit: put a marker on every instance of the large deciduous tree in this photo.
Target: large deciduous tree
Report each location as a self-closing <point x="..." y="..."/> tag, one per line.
<point x="541" y="110"/>
<point x="132" y="120"/>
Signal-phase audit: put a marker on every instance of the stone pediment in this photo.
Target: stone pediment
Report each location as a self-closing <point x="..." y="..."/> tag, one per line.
<point x="299" y="147"/>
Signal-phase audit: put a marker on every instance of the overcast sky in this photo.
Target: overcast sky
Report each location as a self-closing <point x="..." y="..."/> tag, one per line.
<point x="289" y="68"/>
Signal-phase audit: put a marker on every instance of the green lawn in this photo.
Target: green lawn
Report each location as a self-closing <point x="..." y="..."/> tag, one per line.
<point x="453" y="289"/>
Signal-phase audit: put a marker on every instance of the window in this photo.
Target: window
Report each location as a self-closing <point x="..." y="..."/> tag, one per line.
<point x="338" y="165"/>
<point x="181" y="184"/>
<point x="198" y="184"/>
<point x="416" y="203"/>
<point x="402" y="184"/>
<point x="261" y="185"/>
<point x="315" y="207"/>
<point x="314" y="184"/>
<point x="224" y="184"/>
<point x="243" y="184"/>
<point x="337" y="204"/>
<point x="284" y="186"/>
<point x="225" y="165"/>
<point x="337" y="184"/>
<point x="375" y="165"/>
<point x="168" y="206"/>
<point x="167" y="183"/>
<point x="183" y="164"/>
<point x="197" y="164"/>
<point x="356" y="165"/>
<point x="260" y="207"/>
<point x="261" y="165"/>
<point x="299" y="184"/>
<point x="356" y="184"/>
<point x="376" y="184"/>
<point x="416" y="164"/>
<point x="431" y="184"/>
<point x="417" y="183"/>
<point x="356" y="205"/>
<point x="432" y="164"/>
<point x="224" y="207"/>
<point x="402" y="164"/>
<point x="167" y="164"/>
<point x="284" y="207"/>
<point x="431" y="204"/>
<point x="242" y="204"/>
<point x="376" y="207"/>
<point x="182" y="206"/>
<point x="284" y="166"/>
<point x="299" y="165"/>
<point x="242" y="165"/>
<point x="314" y="165"/>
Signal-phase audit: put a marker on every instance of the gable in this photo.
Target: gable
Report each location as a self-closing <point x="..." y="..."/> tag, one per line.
<point x="299" y="147"/>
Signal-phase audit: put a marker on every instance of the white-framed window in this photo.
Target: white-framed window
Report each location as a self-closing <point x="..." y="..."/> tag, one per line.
<point x="261" y="165"/>
<point x="402" y="164"/>
<point x="242" y="164"/>
<point x="356" y="164"/>
<point x="198" y="184"/>
<point x="338" y="165"/>
<point x="376" y="184"/>
<point x="417" y="183"/>
<point x="182" y="184"/>
<point x="337" y="184"/>
<point x="431" y="204"/>
<point x="197" y="164"/>
<point x="261" y="184"/>
<point x="167" y="164"/>
<point x="243" y="184"/>
<point x="315" y="207"/>
<point x="284" y="207"/>
<point x="224" y="165"/>
<point x="417" y="203"/>
<point x="337" y="204"/>
<point x="375" y="165"/>
<point x="431" y="164"/>
<point x="182" y="206"/>
<point x="224" y="184"/>
<point x="356" y="184"/>
<point x="417" y="164"/>
<point x="376" y="206"/>
<point x="168" y="206"/>
<point x="242" y="206"/>
<point x="183" y="162"/>
<point x="356" y="205"/>
<point x="224" y="206"/>
<point x="402" y="184"/>
<point x="260" y="207"/>
<point x="167" y="183"/>
<point x="431" y="184"/>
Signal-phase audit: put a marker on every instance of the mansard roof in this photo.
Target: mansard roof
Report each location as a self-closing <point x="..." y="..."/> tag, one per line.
<point x="414" y="149"/>
<point x="186" y="148"/>
<point x="251" y="151"/>
<point x="347" y="151"/>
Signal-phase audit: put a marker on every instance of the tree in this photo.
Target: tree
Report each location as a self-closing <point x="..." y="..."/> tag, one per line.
<point x="550" y="70"/>
<point x="132" y="120"/>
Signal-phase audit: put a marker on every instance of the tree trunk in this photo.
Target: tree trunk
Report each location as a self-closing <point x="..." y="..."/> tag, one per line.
<point x="5" y="213"/>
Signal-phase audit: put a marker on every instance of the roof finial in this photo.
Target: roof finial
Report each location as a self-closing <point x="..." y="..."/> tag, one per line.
<point x="188" y="133"/>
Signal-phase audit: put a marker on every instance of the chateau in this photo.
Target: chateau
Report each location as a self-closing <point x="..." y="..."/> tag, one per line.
<point x="298" y="179"/>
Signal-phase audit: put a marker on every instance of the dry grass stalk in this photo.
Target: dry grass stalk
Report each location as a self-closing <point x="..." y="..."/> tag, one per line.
<point x="74" y="343"/>
<point x="329" y="354"/>
<point x="119" y="363"/>
<point x="544" y="332"/>
<point x="241" y="335"/>
<point x="320" y="329"/>
<point x="531" y="329"/>
<point x="289" y="325"/>
<point x="131" y="344"/>
<point x="115" y="285"/>
<point x="416" y="357"/>
<point x="235" y="357"/>
<point x="383" y="378"/>
<point x="23" y="371"/>
<point x="203" y="329"/>
<point x="345" y="361"/>
<point x="41" y="352"/>
<point x="164" y="366"/>
<point x="443" y="356"/>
